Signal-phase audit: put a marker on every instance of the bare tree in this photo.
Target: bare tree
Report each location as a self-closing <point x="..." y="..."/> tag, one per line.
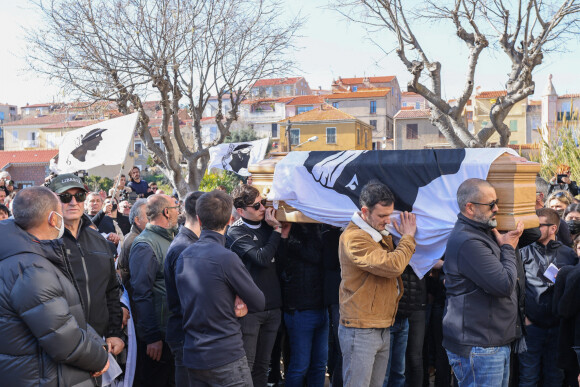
<point x="524" y="30"/>
<point x="180" y="52"/>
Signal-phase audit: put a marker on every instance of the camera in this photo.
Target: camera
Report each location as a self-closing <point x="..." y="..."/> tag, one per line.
<point x="560" y="177"/>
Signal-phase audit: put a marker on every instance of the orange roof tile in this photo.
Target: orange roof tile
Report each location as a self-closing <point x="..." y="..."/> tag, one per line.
<point x="323" y="113"/>
<point x="534" y="102"/>
<point x="71" y="124"/>
<point x="491" y="94"/>
<point x="407" y="107"/>
<point x="26" y="157"/>
<point x="42" y="120"/>
<point x="359" y="94"/>
<point x="354" y="81"/>
<point x="410" y="94"/>
<point x="40" y="105"/>
<point x="569" y="96"/>
<point x="307" y="100"/>
<point x="276" y="81"/>
<point x="418" y="113"/>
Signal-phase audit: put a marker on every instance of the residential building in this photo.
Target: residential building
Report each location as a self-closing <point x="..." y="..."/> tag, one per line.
<point x="414" y="130"/>
<point x="515" y="120"/>
<point x="534" y="122"/>
<point x="25" y="133"/>
<point x="27" y="168"/>
<point x="39" y="109"/>
<point x="414" y="100"/>
<point x="558" y="110"/>
<point x="280" y="87"/>
<point x="335" y="129"/>
<point x="375" y="107"/>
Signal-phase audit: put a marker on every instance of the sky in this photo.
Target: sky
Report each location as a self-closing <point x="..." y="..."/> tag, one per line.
<point x="328" y="47"/>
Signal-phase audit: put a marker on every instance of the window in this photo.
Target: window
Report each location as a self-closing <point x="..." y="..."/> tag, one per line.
<point x="513" y="125"/>
<point x="335" y="105"/>
<point x="513" y="142"/>
<point x="294" y="136"/>
<point x="366" y="139"/>
<point x="158" y="143"/>
<point x="14" y="136"/>
<point x="274" y="130"/>
<point x="304" y="109"/>
<point x="470" y="116"/>
<point x="269" y="91"/>
<point x="483" y="124"/>
<point x="412" y="131"/>
<point x="331" y="135"/>
<point x="357" y="136"/>
<point x="138" y="148"/>
<point x="373" y="123"/>
<point x="373" y="107"/>
<point x="288" y="90"/>
<point x="354" y="88"/>
<point x="213" y="133"/>
<point x="404" y="104"/>
<point x="417" y="105"/>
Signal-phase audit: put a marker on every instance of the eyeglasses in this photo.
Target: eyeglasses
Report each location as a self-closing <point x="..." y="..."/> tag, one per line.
<point x="154" y="188"/>
<point x="546" y="224"/>
<point x="559" y="194"/>
<point x="490" y="205"/>
<point x="256" y="206"/>
<point x="67" y="198"/>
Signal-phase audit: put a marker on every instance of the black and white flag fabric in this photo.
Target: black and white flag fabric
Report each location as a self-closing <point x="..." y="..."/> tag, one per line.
<point x="325" y="186"/>
<point x="104" y="143"/>
<point x="237" y="156"/>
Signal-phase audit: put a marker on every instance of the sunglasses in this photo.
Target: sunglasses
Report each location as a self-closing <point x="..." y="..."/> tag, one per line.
<point x="67" y="198"/>
<point x="256" y="206"/>
<point x="491" y="204"/>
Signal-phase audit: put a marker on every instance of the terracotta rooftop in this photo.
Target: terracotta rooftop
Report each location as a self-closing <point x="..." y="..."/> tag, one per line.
<point x="569" y="96"/>
<point x="410" y="94"/>
<point x="407" y="107"/>
<point x="323" y="113"/>
<point x="534" y="102"/>
<point x="41" y="105"/>
<point x="360" y="94"/>
<point x="491" y="94"/>
<point x="42" y="120"/>
<point x="355" y="81"/>
<point x="26" y="157"/>
<point x="71" y="124"/>
<point x="415" y="113"/>
<point x="276" y="81"/>
<point x="307" y="100"/>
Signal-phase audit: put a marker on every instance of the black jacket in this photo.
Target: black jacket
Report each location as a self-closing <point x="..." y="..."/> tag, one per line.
<point x="414" y="293"/>
<point x="331" y="263"/>
<point x="257" y="247"/>
<point x="208" y="278"/>
<point x="481" y="303"/>
<point x="539" y="290"/>
<point x="43" y="340"/>
<point x="566" y="296"/>
<point x="105" y="223"/>
<point x="94" y="271"/>
<point x="301" y="267"/>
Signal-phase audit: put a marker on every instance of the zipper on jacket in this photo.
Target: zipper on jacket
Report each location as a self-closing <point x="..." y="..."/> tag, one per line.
<point x="71" y="276"/>
<point x="87" y="280"/>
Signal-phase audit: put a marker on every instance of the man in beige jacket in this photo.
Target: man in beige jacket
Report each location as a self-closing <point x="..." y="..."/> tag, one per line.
<point x="371" y="284"/>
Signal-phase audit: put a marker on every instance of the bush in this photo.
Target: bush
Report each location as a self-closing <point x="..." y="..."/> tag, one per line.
<point x="561" y="149"/>
<point x="211" y="181"/>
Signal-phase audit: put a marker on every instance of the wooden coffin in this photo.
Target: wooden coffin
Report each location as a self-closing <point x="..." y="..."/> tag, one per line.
<point x="513" y="178"/>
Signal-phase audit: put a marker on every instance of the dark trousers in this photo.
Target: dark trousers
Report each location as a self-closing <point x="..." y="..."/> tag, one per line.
<point x="259" y="334"/>
<point x="443" y="373"/>
<point x="181" y="375"/>
<point x="414" y="357"/>
<point x="334" y="352"/>
<point x="149" y="372"/>
<point x="234" y="374"/>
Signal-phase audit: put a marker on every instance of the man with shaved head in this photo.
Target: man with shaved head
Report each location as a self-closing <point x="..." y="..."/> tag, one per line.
<point x="155" y="364"/>
<point x="479" y="321"/>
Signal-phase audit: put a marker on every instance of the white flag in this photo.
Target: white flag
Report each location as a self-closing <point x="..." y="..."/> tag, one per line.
<point x="237" y="156"/>
<point x="104" y="143"/>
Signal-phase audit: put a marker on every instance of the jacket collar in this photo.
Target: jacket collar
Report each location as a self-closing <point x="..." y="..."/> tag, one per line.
<point x="475" y="224"/>
<point x="213" y="236"/>
<point x="188" y="233"/>
<point x="166" y="233"/>
<point x="377" y="236"/>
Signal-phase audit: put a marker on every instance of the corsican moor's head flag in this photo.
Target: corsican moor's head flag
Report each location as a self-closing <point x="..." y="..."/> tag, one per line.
<point x="237" y="156"/>
<point x="105" y="143"/>
<point x="326" y="186"/>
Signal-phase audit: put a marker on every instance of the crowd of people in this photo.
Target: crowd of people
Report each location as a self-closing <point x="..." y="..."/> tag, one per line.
<point x="136" y="287"/>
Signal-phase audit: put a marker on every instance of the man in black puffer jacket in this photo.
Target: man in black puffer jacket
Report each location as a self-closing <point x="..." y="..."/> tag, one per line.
<point x="44" y="339"/>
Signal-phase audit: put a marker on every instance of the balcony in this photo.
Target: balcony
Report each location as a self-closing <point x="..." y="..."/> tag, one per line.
<point x="29" y="144"/>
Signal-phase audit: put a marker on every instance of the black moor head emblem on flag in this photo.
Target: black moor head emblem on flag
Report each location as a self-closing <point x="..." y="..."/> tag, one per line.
<point x="89" y="142"/>
<point x="237" y="157"/>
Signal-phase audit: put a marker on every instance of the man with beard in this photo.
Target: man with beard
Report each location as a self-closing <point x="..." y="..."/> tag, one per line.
<point x="481" y="306"/>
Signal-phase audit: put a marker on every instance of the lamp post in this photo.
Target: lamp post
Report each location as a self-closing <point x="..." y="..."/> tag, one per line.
<point x="288" y="127"/>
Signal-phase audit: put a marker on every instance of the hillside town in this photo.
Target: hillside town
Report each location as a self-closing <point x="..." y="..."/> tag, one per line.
<point x="352" y="114"/>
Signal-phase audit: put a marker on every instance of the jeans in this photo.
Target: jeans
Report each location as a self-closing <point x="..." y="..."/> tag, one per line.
<point x="485" y="367"/>
<point x="414" y="358"/>
<point x="395" y="375"/>
<point x="308" y="333"/>
<point x="236" y="373"/>
<point x="335" y="353"/>
<point x="540" y="358"/>
<point x="181" y="376"/>
<point x="259" y="332"/>
<point x="365" y="355"/>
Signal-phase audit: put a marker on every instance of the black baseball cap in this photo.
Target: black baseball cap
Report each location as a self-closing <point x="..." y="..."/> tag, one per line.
<point x="66" y="181"/>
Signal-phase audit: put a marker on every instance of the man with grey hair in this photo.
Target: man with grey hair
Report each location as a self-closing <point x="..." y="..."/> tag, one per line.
<point x="45" y="337"/>
<point x="479" y="321"/>
<point x="138" y="220"/>
<point x="155" y="363"/>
